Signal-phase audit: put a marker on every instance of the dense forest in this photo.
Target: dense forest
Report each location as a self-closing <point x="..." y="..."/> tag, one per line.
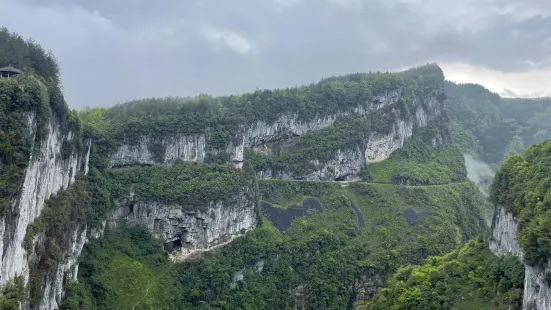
<point x="28" y="55"/>
<point x="222" y="115"/>
<point x="318" y="260"/>
<point x="36" y="91"/>
<point x="493" y="128"/>
<point x="467" y="278"/>
<point x="471" y="277"/>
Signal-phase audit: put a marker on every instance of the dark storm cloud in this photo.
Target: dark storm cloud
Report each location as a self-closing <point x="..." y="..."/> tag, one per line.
<point x="113" y="51"/>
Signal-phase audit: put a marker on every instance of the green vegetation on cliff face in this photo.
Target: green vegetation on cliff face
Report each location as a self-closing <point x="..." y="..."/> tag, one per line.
<point x="124" y="270"/>
<point x="57" y="222"/>
<point x="315" y="263"/>
<point x="85" y="202"/>
<point x="221" y="118"/>
<point x="90" y="199"/>
<point x="186" y="184"/>
<point x="470" y="278"/>
<point x="443" y="165"/>
<point x="31" y="108"/>
<point x="319" y="261"/>
<point x="33" y="96"/>
<point x="491" y="127"/>
<point x="296" y="155"/>
<point x="333" y="259"/>
<point x="523" y="187"/>
<point x="12" y="294"/>
<point x="427" y="158"/>
<point x="29" y="97"/>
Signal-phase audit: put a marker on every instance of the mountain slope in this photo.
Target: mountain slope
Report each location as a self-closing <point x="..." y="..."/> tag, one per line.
<point x="250" y="200"/>
<point x="325" y="260"/>
<point x="472" y="278"/>
<point x="491" y="127"/>
<point x="340" y="129"/>
<point x="467" y="278"/>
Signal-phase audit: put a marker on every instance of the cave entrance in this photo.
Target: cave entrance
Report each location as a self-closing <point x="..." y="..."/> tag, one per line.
<point x="131" y="209"/>
<point x="341" y="178"/>
<point x="176" y="245"/>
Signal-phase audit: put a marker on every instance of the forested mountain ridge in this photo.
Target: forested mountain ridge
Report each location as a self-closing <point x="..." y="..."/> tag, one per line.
<point x="28" y="55"/>
<point x="493" y="128"/>
<point x="294" y="133"/>
<point x="488" y="128"/>
<point x="308" y="197"/>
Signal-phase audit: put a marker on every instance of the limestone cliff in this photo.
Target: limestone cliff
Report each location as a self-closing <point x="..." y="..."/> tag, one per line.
<point x="504" y="234"/>
<point x="190" y="229"/>
<point x="537" y="291"/>
<point x="194" y="148"/>
<point x="344" y="164"/>
<point x="67" y="269"/>
<point x="47" y="173"/>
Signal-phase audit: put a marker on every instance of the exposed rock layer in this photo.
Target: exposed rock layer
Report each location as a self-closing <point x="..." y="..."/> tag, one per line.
<point x="346" y="163"/>
<point x="192" y="228"/>
<point x="504" y="234"/>
<point x="47" y="173"/>
<point x="67" y="269"/>
<point x="537" y="292"/>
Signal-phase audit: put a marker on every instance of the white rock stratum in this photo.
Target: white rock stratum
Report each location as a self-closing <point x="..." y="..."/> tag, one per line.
<point x="537" y="292"/>
<point x="46" y="174"/>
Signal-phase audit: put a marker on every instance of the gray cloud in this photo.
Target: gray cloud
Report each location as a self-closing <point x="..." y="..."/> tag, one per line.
<point x="112" y="51"/>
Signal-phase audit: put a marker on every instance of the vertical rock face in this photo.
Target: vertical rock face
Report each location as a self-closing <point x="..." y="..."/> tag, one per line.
<point x="290" y="125"/>
<point x="186" y="148"/>
<point x="380" y="146"/>
<point x="191" y="229"/>
<point x="537" y="291"/>
<point x="346" y="164"/>
<point x="53" y="292"/>
<point x="504" y="234"/>
<point x="48" y="172"/>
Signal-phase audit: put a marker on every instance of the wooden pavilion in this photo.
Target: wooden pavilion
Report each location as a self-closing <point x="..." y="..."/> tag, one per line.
<point x="9" y="71"/>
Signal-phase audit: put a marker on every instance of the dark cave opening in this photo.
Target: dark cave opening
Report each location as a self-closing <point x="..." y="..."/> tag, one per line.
<point x="176" y="245"/>
<point x="341" y="178"/>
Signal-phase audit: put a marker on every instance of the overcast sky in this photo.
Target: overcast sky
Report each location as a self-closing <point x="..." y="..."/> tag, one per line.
<point x="115" y="50"/>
